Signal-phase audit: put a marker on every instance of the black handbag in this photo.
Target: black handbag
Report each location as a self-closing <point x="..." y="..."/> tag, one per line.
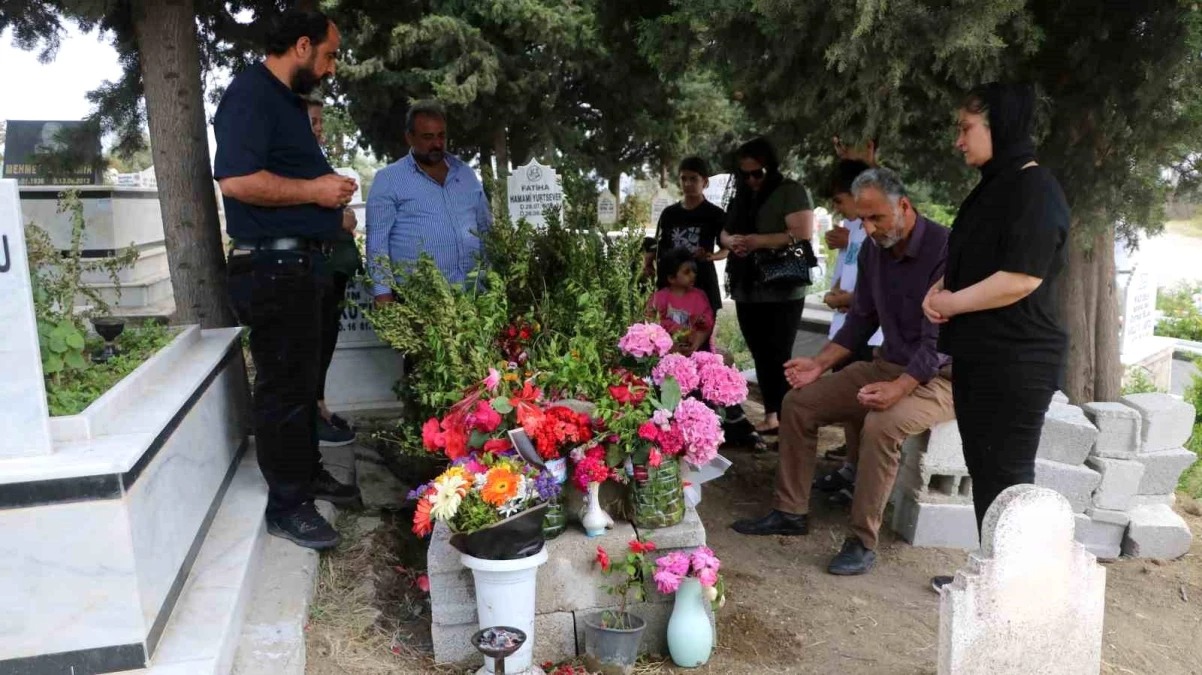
<point x="789" y="266"/>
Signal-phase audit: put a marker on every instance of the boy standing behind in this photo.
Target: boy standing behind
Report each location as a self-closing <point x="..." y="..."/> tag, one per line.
<point x="843" y="286"/>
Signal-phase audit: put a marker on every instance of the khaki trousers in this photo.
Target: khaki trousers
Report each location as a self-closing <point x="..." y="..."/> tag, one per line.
<point x="832" y="400"/>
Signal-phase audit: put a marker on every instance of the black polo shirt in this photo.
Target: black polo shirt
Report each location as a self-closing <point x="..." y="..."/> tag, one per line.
<point x="262" y="125"/>
<point x="1017" y="222"/>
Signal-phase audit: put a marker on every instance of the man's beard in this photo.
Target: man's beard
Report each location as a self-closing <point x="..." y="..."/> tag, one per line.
<point x="305" y="80"/>
<point x="431" y="158"/>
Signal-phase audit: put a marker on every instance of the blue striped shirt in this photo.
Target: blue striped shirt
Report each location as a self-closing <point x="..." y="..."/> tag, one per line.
<point x="409" y="213"/>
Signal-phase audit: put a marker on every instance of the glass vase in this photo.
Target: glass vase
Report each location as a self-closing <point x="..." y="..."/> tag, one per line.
<point x="555" y="522"/>
<point x="657" y="496"/>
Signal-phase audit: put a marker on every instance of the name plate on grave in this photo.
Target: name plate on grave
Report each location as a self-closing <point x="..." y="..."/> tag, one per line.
<point x="355" y="329"/>
<point x="24" y="416"/>
<point x="1139" y="309"/>
<point x="607" y="208"/>
<point x="533" y="189"/>
<point x="49" y="152"/>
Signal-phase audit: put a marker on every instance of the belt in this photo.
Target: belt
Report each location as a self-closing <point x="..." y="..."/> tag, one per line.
<point x="278" y="244"/>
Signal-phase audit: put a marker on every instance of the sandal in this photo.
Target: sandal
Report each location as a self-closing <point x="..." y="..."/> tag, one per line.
<point x="769" y="431"/>
<point x="758" y="443"/>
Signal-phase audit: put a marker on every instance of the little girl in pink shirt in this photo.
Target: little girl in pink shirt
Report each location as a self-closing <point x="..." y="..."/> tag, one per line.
<point x="683" y="310"/>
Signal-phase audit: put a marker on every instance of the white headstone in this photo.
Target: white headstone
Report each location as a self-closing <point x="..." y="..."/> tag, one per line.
<point x="533" y="189"/>
<point x="716" y="190"/>
<point x="1139" y="309"/>
<point x="129" y="180"/>
<point x="607" y="208"/>
<point x="347" y="171"/>
<point x="1031" y="600"/>
<point x="24" y="417"/>
<point x="659" y="202"/>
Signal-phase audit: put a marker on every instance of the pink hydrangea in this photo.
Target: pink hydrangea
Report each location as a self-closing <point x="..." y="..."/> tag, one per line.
<point x="645" y="339"/>
<point x="666" y="582"/>
<point x="722" y="385"/>
<point x="661" y="418"/>
<point x="678" y="367"/>
<point x="701" y="430"/>
<point x="704" y="359"/>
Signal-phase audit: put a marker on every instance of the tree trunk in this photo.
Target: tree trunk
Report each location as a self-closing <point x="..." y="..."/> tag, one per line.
<point x="615" y="184"/>
<point x="167" y="41"/>
<point x="1090" y="309"/>
<point x="500" y="148"/>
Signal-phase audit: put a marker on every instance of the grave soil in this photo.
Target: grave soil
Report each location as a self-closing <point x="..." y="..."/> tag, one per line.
<point x="784" y="613"/>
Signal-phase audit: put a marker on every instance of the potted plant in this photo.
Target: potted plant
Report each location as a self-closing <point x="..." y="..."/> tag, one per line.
<point x="612" y="637"/>
<point x="694" y="578"/>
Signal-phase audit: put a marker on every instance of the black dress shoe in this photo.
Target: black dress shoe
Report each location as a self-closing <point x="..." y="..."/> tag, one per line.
<point x="937" y="583"/>
<point x="326" y="488"/>
<point x="776" y="522"/>
<point x="853" y="559"/>
<point x="834" y="482"/>
<point x="303" y="526"/>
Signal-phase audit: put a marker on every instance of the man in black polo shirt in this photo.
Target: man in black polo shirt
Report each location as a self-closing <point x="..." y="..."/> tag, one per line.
<point x="283" y="204"/>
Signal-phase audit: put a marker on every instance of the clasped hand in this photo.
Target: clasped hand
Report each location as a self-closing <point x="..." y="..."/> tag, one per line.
<point x="938" y="305"/>
<point x="743" y="244"/>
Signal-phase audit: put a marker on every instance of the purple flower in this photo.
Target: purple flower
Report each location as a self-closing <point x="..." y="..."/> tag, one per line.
<point x="547" y="487"/>
<point x="417" y="492"/>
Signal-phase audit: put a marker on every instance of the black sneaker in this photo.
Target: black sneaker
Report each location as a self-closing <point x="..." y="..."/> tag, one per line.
<point x="327" y="488"/>
<point x="842" y="497"/>
<point x="834" y="481"/>
<point x="304" y="526"/>
<point x="853" y="559"/>
<point x="329" y="435"/>
<point x="339" y="423"/>
<point x="937" y="583"/>
<point x="776" y="522"/>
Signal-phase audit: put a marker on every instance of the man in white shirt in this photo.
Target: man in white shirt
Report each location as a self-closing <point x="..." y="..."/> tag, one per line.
<point x="841" y="482"/>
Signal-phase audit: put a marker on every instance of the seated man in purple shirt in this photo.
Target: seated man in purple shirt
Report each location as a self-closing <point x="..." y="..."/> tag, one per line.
<point x="906" y="390"/>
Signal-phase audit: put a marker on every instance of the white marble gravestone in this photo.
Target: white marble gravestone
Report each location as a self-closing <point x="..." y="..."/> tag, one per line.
<point x="1031" y="600"/>
<point x="23" y="416"/>
<point x="1139" y="310"/>
<point x="607" y="208"/>
<point x="659" y="202"/>
<point x="534" y="188"/>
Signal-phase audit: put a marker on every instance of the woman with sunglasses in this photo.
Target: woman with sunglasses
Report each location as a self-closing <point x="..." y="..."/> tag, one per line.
<point x="768" y="212"/>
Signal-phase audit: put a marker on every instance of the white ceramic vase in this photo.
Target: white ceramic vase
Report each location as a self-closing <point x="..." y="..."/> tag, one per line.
<point x="595" y="519"/>
<point x="505" y="596"/>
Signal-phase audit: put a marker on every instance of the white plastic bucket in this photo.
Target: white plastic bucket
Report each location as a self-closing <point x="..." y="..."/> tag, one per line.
<point x="505" y="593"/>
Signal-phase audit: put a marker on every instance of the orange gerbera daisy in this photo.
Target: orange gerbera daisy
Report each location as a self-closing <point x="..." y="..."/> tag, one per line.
<point x="500" y="486"/>
<point x="422" y="525"/>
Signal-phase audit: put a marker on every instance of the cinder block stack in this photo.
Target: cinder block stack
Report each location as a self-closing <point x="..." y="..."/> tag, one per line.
<point x="569" y="589"/>
<point x="1117" y="464"/>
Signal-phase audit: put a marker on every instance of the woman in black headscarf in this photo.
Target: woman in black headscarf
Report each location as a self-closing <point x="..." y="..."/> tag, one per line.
<point x="998" y="297"/>
<point x="769" y="212"/>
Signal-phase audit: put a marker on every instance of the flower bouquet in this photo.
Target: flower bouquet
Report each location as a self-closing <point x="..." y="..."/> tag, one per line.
<point x="667" y="407"/>
<point x="694" y="578"/>
<point x="493" y="504"/>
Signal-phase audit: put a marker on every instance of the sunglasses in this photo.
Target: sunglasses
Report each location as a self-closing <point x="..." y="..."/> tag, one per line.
<point x="758" y="174"/>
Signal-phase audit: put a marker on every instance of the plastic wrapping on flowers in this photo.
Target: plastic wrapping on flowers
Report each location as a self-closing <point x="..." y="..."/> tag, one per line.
<point x="657" y="495"/>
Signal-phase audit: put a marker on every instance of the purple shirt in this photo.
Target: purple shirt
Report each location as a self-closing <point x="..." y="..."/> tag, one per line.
<point x="889" y="295"/>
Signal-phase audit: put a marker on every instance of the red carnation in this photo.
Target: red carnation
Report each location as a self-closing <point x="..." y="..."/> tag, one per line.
<point x="603" y="559"/>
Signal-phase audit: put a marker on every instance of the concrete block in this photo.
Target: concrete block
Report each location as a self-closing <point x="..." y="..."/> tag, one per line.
<point x="441" y="557"/>
<point x="452" y="597"/>
<point x="940" y="525"/>
<point x="1101" y="532"/>
<point x="688" y="533"/>
<point x="927" y="485"/>
<point x="940" y="449"/>
<point x="1168" y="500"/>
<point x="1119" y="429"/>
<point x="1076" y="483"/>
<point x="1029" y="598"/>
<point x="554" y="640"/>
<point x="570" y="579"/>
<point x="1060" y="397"/>
<point x="1068" y="435"/>
<point x="1120" y="482"/>
<point x="1156" y="532"/>
<point x="1167" y="420"/>
<point x="1163" y="469"/>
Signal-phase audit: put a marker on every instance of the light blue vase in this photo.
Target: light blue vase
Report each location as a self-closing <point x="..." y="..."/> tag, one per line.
<point x="690" y="635"/>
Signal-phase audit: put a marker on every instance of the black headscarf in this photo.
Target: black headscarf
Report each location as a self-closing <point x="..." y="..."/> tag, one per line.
<point x="1010" y="109"/>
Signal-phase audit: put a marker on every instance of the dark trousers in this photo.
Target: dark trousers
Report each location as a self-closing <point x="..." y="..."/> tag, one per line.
<point x="331" y="323"/>
<point x="279" y="294"/>
<point x="1000" y="410"/>
<point x="770" y="329"/>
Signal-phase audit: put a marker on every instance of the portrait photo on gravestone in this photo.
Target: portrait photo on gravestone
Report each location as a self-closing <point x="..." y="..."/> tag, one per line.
<point x="53" y="152"/>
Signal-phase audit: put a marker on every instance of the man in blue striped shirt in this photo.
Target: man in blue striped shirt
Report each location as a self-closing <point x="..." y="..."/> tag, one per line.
<point x="428" y="202"/>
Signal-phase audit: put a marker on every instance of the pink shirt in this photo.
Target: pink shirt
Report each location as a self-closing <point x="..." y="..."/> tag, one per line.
<point x="676" y="313"/>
